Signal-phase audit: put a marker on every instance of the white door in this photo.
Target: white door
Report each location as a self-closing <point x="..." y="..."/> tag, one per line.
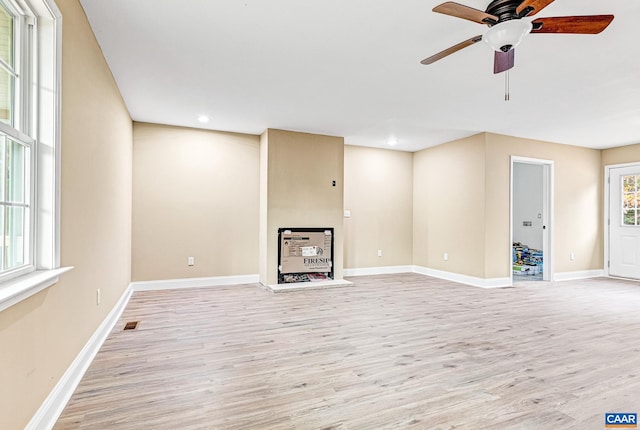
<point x="624" y="222"/>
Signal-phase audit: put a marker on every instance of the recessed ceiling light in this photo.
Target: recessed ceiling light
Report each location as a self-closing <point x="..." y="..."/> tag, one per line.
<point x="392" y="142"/>
<point x="203" y="118"/>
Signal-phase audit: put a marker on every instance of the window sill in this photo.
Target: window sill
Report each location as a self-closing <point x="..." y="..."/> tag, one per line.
<point x="23" y="287"/>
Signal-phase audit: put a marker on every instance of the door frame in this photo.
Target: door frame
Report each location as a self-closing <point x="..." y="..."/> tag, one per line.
<point x="548" y="272"/>
<point x="607" y="212"/>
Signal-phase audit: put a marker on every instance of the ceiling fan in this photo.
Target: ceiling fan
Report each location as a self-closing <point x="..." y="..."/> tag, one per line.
<point x="507" y="27"/>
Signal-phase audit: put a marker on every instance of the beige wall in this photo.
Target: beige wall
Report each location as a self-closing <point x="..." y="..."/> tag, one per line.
<point x="300" y="168"/>
<point x="621" y="155"/>
<point x="577" y="224"/>
<point x="451" y="180"/>
<point x="378" y="190"/>
<point x="449" y="206"/>
<point x="41" y="336"/>
<point x="195" y="194"/>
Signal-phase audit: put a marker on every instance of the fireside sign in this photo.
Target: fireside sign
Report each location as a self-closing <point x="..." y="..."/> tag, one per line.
<point x="621" y="420"/>
<point x="305" y="252"/>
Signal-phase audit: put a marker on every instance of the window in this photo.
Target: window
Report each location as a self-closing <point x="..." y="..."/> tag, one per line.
<point x="7" y="71"/>
<point x="16" y="141"/>
<point x="29" y="142"/>
<point x="631" y="200"/>
<point x="14" y="203"/>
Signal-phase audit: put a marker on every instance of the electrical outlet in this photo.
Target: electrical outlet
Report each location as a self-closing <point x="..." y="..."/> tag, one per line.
<point x="98" y="297"/>
<point x="446" y="256"/>
<point x="379" y="252"/>
<point x="191" y="261"/>
<point x="572" y="256"/>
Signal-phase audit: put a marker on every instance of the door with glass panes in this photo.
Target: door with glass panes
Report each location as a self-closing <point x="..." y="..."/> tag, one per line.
<point x="624" y="221"/>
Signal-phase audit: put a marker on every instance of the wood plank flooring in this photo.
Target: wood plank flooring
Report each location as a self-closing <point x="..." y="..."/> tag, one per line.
<point x="391" y="352"/>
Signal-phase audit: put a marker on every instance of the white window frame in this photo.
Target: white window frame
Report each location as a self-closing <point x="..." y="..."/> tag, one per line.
<point x="22" y="130"/>
<point x="622" y="196"/>
<point x="44" y="88"/>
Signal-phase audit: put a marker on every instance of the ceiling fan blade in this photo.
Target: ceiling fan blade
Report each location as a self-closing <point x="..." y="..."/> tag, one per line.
<point x="449" y="51"/>
<point x="465" y="12"/>
<point x="535" y="6"/>
<point x="592" y="24"/>
<point x="503" y="61"/>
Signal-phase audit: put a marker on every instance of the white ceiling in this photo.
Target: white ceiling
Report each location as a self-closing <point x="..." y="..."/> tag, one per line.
<point x="352" y="68"/>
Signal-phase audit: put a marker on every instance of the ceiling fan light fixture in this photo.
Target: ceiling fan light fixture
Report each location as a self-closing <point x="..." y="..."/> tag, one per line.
<point x="507" y="35"/>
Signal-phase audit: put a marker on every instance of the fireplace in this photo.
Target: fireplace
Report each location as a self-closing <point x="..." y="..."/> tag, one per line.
<point x="305" y="255"/>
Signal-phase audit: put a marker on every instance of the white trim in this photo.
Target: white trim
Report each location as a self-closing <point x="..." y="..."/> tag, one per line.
<point x="464" y="279"/>
<point x="58" y="21"/>
<point x="23" y="287"/>
<point x="49" y="412"/>
<point x="581" y="274"/>
<point x="172" y="284"/>
<point x="15" y="134"/>
<point x="48" y="133"/>
<point x="449" y="276"/>
<point x="617" y="166"/>
<point x="384" y="270"/>
<point x="299" y="286"/>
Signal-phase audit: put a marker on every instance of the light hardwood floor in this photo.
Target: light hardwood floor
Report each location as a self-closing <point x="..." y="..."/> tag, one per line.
<point x="390" y="352"/>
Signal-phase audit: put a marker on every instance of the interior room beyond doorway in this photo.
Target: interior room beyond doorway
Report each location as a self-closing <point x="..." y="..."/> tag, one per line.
<point x="529" y="217"/>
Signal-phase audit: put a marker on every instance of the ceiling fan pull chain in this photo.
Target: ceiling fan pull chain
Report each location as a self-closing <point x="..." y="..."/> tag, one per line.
<point x="506" y="86"/>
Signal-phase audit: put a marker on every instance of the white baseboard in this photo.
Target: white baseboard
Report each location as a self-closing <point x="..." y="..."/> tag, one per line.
<point x="49" y="412"/>
<point x="464" y="279"/>
<point x="172" y="284"/>
<point x="384" y="270"/>
<point x="582" y="274"/>
<point x="449" y="276"/>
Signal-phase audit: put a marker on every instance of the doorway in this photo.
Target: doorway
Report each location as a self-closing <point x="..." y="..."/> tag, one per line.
<point x="531" y="219"/>
<point x="623" y="221"/>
